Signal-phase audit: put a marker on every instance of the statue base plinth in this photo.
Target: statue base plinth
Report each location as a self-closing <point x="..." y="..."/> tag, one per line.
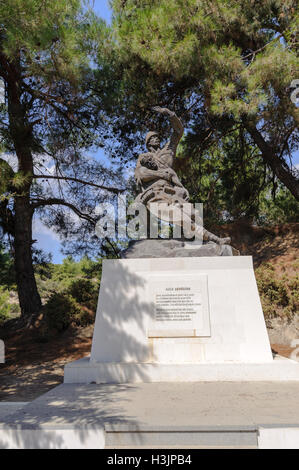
<point x="179" y="319"/>
<point x="171" y="248"/>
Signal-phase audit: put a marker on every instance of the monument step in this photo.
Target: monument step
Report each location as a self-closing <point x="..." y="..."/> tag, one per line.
<point x="183" y="447"/>
<point x="122" y="436"/>
<point x="86" y="371"/>
<point x="157" y="415"/>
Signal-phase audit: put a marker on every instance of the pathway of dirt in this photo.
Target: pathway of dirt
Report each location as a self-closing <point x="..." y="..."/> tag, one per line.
<point x="32" y="368"/>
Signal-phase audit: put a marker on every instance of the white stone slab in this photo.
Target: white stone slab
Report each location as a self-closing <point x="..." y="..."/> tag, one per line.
<point x="278" y="438"/>
<point x="9" y="407"/>
<point x="208" y="414"/>
<point x="232" y="328"/>
<point x="67" y="437"/>
<point x="86" y="371"/>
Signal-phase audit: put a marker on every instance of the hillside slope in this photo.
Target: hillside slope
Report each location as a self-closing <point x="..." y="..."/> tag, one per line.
<point x="275" y="252"/>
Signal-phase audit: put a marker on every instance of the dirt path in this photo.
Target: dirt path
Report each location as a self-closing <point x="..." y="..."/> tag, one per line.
<point x="33" y="368"/>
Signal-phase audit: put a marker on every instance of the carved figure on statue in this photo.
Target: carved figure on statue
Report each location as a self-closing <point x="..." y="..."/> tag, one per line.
<point x="159" y="183"/>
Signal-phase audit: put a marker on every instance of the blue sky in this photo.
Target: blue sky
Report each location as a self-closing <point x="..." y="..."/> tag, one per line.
<point x="101" y="7"/>
<point x="46" y="239"/>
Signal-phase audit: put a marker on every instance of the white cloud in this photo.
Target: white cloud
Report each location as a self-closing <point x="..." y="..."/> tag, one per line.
<point x="129" y="172"/>
<point x="40" y="229"/>
<point x="11" y="159"/>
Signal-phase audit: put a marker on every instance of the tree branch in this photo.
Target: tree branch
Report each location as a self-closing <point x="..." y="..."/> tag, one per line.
<point x="112" y="246"/>
<point x="48" y="99"/>
<point x="263" y="47"/>
<point x="55" y="201"/>
<point x="76" y="180"/>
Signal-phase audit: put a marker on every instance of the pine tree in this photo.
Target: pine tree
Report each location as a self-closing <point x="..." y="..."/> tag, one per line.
<point x="221" y="64"/>
<point x="48" y="121"/>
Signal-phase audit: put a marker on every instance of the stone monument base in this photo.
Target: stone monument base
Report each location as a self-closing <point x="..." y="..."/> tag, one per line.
<point x="86" y="371"/>
<point x="179" y="320"/>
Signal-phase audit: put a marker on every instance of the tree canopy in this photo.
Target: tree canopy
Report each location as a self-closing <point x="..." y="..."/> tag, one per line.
<point x="220" y="64"/>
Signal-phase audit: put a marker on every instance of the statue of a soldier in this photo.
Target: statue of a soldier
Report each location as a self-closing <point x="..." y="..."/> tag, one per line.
<point x="159" y="183"/>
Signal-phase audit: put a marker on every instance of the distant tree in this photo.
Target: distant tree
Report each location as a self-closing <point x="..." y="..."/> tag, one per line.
<point x="48" y="121"/>
<point x="221" y="65"/>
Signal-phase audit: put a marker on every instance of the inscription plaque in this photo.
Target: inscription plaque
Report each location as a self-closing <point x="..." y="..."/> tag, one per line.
<point x="180" y="305"/>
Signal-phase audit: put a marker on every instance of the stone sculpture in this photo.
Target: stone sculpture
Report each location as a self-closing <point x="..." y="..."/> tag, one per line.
<point x="159" y="182"/>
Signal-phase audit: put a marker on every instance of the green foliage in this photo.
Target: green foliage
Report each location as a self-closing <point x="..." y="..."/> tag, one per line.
<point x="49" y="46"/>
<point x="222" y="66"/>
<point x="51" y="35"/>
<point x="279" y="294"/>
<point x="7" y="273"/>
<point x="212" y="40"/>
<point x="69" y="290"/>
<point x="91" y="269"/>
<point x="4" y="305"/>
<point x="76" y="305"/>
<point x="60" y="277"/>
<point x="85" y="292"/>
<point x="6" y="177"/>
<point x="232" y="182"/>
<point x="228" y="179"/>
<point x="66" y="272"/>
<point x="71" y="297"/>
<point x="60" y="311"/>
<point x="282" y="209"/>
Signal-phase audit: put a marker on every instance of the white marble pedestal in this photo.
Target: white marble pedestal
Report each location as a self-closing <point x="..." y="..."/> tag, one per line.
<point x="179" y="319"/>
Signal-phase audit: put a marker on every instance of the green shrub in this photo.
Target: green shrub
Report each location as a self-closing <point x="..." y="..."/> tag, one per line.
<point x="47" y="287"/>
<point x="70" y="291"/>
<point x="75" y="305"/>
<point x="60" y="310"/>
<point x="15" y="308"/>
<point x="4" y="305"/>
<point x="279" y="295"/>
<point x="66" y="272"/>
<point x="85" y="292"/>
<point x="84" y="316"/>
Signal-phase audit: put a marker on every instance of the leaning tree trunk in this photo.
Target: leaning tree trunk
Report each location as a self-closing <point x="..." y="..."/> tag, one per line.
<point x="29" y="298"/>
<point x="278" y="166"/>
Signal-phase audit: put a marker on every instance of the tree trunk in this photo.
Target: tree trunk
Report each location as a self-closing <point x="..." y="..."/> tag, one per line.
<point x="22" y="138"/>
<point x="29" y="298"/>
<point x="277" y="165"/>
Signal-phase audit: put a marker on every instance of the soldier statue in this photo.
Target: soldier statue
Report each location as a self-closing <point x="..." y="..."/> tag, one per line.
<point x="159" y="183"/>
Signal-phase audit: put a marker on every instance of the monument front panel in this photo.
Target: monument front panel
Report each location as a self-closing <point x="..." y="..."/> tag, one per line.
<point x="180" y="305"/>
